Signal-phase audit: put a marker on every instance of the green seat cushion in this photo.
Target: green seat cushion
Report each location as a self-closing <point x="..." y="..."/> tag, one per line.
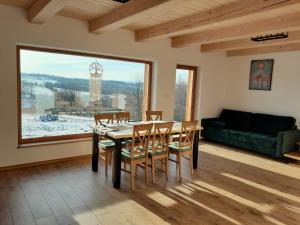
<point x="262" y="142"/>
<point x="127" y="154"/>
<point x="175" y="146"/>
<point x="127" y="142"/>
<point x="158" y="151"/>
<point x="248" y="140"/>
<point x="238" y="138"/>
<point x="217" y="134"/>
<point x="106" y="143"/>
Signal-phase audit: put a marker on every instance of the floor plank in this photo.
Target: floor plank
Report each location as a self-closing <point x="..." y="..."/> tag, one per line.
<point x="230" y="187"/>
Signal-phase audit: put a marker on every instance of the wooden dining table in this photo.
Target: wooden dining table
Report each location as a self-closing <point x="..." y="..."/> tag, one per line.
<point x="121" y="132"/>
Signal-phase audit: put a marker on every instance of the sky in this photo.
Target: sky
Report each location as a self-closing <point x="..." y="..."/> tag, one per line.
<point x="72" y="66"/>
<point x="182" y="76"/>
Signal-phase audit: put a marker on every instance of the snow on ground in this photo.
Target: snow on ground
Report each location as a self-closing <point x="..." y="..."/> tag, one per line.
<point x="32" y="126"/>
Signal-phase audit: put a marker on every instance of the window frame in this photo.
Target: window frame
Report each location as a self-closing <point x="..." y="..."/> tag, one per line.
<point x="191" y="92"/>
<point x="21" y="141"/>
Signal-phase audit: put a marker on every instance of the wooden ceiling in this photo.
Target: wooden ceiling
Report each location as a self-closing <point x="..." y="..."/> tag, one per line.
<point x="215" y="25"/>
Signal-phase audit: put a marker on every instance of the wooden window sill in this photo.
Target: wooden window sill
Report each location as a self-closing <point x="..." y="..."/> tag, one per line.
<point x="30" y="145"/>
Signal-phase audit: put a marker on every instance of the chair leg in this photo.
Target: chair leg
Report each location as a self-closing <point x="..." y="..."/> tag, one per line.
<point x="191" y="163"/>
<point x="166" y="167"/>
<point x="136" y="170"/>
<point x="132" y="174"/>
<point x="113" y="169"/>
<point x="106" y="162"/>
<point x="161" y="165"/>
<point x="110" y="157"/>
<point x="153" y="170"/>
<point x="146" y="172"/>
<point x="179" y="167"/>
<point x="177" y="159"/>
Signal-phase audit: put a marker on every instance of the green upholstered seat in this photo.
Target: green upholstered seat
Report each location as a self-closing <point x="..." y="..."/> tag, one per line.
<point x="268" y="134"/>
<point x="249" y="140"/>
<point x="106" y="143"/>
<point x="175" y="146"/>
<point x="127" y="154"/>
<point x="127" y="142"/>
<point x="158" y="151"/>
<point x="263" y="143"/>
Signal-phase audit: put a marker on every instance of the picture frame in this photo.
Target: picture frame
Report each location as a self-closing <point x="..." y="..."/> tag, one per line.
<point x="261" y="72"/>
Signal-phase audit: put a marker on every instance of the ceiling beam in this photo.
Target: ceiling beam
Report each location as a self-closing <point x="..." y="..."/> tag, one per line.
<point x="123" y="15"/>
<point x="264" y="50"/>
<point x="283" y="23"/>
<point x="294" y="37"/>
<point x="226" y="12"/>
<point x="41" y="10"/>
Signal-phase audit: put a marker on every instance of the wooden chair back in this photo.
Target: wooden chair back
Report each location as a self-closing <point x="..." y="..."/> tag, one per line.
<point x="154" y="115"/>
<point x="140" y="139"/>
<point x="104" y="118"/>
<point x="122" y="117"/>
<point x="162" y="132"/>
<point x="187" y="134"/>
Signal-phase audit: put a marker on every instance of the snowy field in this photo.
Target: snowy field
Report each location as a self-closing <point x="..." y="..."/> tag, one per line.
<point x="33" y="126"/>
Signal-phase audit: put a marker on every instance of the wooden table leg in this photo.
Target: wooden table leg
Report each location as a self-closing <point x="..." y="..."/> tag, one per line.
<point x="95" y="151"/>
<point x="117" y="164"/>
<point x="195" y="150"/>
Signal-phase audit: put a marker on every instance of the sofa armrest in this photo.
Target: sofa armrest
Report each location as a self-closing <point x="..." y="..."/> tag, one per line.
<point x="286" y="142"/>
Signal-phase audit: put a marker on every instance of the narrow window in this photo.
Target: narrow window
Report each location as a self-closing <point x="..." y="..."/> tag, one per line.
<point x="185" y="93"/>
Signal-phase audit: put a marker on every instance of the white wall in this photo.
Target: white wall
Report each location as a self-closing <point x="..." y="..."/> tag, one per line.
<point x="283" y="99"/>
<point x="71" y="34"/>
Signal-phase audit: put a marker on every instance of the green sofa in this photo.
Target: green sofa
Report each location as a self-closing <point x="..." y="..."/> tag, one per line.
<point x="268" y="134"/>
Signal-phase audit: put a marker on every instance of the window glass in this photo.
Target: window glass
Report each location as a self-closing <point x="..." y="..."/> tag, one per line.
<point x="182" y="78"/>
<point x="60" y="93"/>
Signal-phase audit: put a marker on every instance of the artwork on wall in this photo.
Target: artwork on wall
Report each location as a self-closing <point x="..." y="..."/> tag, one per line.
<point x="261" y="74"/>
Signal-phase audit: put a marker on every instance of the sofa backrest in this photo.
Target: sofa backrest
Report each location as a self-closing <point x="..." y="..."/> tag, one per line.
<point x="271" y="124"/>
<point x="237" y="120"/>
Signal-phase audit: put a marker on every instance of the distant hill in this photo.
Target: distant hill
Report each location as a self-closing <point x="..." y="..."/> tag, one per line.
<point x="52" y="81"/>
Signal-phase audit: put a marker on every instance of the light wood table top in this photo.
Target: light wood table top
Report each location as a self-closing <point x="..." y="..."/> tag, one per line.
<point x="124" y="130"/>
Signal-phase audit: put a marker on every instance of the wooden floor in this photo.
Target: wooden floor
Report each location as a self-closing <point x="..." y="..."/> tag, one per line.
<point x="230" y="187"/>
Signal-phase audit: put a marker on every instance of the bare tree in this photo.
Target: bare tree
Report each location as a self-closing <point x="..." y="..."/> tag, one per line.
<point x="134" y="99"/>
<point x="180" y="100"/>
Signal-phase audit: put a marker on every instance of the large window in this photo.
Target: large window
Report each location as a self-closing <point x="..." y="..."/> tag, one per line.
<point x="60" y="91"/>
<point x="185" y="92"/>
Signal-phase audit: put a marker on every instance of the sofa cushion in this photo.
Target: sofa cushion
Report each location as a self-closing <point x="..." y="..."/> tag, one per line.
<point x="238" y="120"/>
<point x="262" y="143"/>
<point x="220" y="124"/>
<point x="248" y="140"/>
<point x="272" y="125"/>
<point x="238" y="136"/>
<point x="216" y="134"/>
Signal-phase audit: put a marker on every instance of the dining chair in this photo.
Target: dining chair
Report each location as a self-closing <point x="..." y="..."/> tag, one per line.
<point x="154" y="115"/>
<point x="159" y="148"/>
<point x="136" y="152"/>
<point x="184" y="147"/>
<point x="122" y="117"/>
<point x="105" y="144"/>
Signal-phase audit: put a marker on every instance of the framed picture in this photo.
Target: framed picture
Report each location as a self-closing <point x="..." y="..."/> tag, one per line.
<point x="261" y="74"/>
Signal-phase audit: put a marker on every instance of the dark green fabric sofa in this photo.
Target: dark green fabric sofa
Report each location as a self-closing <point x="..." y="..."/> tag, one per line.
<point x="267" y="134"/>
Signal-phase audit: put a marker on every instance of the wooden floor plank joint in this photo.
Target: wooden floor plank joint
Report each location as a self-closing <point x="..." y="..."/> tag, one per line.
<point x="229" y="187"/>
